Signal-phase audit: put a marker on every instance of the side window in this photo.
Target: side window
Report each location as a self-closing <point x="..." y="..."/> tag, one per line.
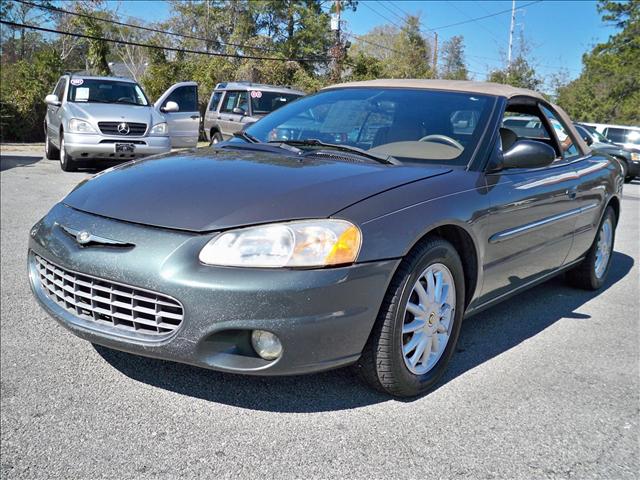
<point x="186" y="97"/>
<point x="230" y="102"/>
<point x="567" y="147"/>
<point x="526" y="125"/>
<point x="617" y="135"/>
<point x="59" y="90"/>
<point x="215" y="100"/>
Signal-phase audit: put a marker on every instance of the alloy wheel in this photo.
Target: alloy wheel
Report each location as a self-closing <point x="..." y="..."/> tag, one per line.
<point x="428" y="319"/>
<point x="604" y="246"/>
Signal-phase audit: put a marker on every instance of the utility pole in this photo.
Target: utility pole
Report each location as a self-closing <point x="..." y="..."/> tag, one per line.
<point x="513" y="24"/>
<point x="435" y="55"/>
<point x="337" y="49"/>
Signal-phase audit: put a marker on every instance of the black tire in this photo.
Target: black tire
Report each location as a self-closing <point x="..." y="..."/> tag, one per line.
<point x="584" y="274"/>
<point x="66" y="162"/>
<point x="216" y="137"/>
<point x="50" y="151"/>
<point x="382" y="362"/>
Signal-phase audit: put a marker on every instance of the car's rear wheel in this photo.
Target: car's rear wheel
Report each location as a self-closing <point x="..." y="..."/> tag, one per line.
<point x="417" y="328"/>
<point x="591" y="273"/>
<point x="66" y="162"/>
<point x="50" y="151"/>
<point x="216" y="137"/>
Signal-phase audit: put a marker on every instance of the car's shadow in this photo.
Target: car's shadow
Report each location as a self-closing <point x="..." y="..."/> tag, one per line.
<point x="483" y="337"/>
<point x="7" y="162"/>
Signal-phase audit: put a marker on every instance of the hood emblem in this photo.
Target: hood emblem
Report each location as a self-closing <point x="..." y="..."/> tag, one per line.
<point x="85" y="238"/>
<point x="123" y="128"/>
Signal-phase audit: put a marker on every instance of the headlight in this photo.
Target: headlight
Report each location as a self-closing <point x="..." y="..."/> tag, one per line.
<point x="160" y="129"/>
<point x="635" y="156"/>
<point x="308" y="243"/>
<point x="80" y="126"/>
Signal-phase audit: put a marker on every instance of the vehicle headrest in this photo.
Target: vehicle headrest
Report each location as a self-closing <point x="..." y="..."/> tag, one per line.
<point x="508" y="138"/>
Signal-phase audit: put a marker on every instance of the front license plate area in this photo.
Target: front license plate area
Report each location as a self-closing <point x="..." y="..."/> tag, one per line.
<point x="125" y="148"/>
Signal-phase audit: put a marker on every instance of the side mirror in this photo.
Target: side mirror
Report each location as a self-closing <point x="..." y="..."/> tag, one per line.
<point x="588" y="140"/>
<point x="52" y="100"/>
<point x="528" y="154"/>
<point x="170" y="107"/>
<point x="239" y="111"/>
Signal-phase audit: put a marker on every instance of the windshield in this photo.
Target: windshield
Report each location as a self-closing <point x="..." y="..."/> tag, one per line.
<point x="106" y="91"/>
<point x="410" y="125"/>
<point x="266" y="102"/>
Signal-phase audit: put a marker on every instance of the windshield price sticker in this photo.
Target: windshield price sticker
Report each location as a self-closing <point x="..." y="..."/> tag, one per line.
<point x="77" y="82"/>
<point x="256" y="94"/>
<point x="82" y="94"/>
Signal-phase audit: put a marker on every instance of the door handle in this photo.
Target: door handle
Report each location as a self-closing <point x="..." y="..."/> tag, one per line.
<point x="195" y="117"/>
<point x="572" y="193"/>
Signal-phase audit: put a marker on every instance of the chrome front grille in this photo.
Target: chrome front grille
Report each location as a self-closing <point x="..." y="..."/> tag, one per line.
<point x="111" y="128"/>
<point x="102" y="302"/>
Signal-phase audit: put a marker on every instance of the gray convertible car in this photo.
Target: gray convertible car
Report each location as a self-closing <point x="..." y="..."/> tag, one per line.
<point x="359" y="225"/>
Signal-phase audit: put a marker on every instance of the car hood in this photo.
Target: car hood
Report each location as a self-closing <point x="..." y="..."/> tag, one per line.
<point x="609" y="149"/>
<point x="111" y="112"/>
<point x="207" y="189"/>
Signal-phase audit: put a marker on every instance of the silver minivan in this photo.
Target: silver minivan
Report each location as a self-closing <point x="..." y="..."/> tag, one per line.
<point x="235" y="105"/>
<point x="111" y="118"/>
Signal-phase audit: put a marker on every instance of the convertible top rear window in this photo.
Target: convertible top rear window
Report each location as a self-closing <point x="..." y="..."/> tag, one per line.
<point x="411" y="125"/>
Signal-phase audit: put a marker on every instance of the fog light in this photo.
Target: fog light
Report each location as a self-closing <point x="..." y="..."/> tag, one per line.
<point x="266" y="344"/>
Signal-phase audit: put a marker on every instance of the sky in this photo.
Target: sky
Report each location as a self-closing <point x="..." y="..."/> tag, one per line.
<point x="558" y="32"/>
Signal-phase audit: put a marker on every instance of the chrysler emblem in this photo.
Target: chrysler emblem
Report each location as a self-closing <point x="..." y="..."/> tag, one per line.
<point x="83" y="237"/>
<point x="123" y="128"/>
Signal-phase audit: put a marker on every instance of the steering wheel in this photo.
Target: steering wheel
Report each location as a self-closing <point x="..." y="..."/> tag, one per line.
<point x="443" y="139"/>
<point x="123" y="99"/>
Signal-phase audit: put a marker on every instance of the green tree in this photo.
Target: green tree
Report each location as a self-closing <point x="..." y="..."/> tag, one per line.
<point x="518" y="74"/>
<point x="411" y="52"/>
<point x="364" y="67"/>
<point x="453" y="64"/>
<point x="608" y="89"/>
<point x="22" y="91"/>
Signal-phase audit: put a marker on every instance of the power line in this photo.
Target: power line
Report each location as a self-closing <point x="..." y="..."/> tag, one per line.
<point x="451" y="4"/>
<point x="481" y="18"/>
<point x="381" y="15"/>
<point x="157" y="47"/>
<point x="140" y="27"/>
<point x="401" y="10"/>
<point x="392" y="12"/>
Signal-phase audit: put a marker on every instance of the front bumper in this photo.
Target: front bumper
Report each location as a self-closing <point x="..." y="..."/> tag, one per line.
<point x="94" y="146"/>
<point x="323" y="317"/>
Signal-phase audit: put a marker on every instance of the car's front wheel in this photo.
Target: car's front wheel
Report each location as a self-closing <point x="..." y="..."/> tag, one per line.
<point x="50" y="151"/>
<point x="66" y="162"/>
<point x="417" y="328"/>
<point x="591" y="273"/>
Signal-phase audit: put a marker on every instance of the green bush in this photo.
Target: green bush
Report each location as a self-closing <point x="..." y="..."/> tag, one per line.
<point x="23" y="87"/>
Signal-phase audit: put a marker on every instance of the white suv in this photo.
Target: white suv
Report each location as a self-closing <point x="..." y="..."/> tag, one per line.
<point x="112" y="118"/>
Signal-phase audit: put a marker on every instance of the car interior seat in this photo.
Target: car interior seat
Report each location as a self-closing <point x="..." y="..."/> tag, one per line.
<point x="508" y="137"/>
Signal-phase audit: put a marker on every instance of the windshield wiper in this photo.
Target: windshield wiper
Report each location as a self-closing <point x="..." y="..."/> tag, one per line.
<point x="313" y="142"/>
<point x="246" y="136"/>
<point x="128" y="102"/>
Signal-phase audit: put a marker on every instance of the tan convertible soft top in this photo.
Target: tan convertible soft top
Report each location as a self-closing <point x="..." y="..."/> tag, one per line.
<point x="466" y="86"/>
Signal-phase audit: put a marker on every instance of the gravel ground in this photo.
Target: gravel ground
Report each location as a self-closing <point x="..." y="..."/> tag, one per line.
<point x="543" y="386"/>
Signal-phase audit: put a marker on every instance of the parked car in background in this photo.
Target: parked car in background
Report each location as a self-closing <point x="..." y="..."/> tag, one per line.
<point x="111" y="118"/>
<point x="235" y="105"/>
<point x="394" y="209"/>
<point x="625" y="135"/>
<point x="628" y="158"/>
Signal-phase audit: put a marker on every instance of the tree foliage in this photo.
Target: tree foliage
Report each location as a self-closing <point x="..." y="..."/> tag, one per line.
<point x="453" y="63"/>
<point x="392" y="52"/>
<point x="608" y="89"/>
<point x="518" y="74"/>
